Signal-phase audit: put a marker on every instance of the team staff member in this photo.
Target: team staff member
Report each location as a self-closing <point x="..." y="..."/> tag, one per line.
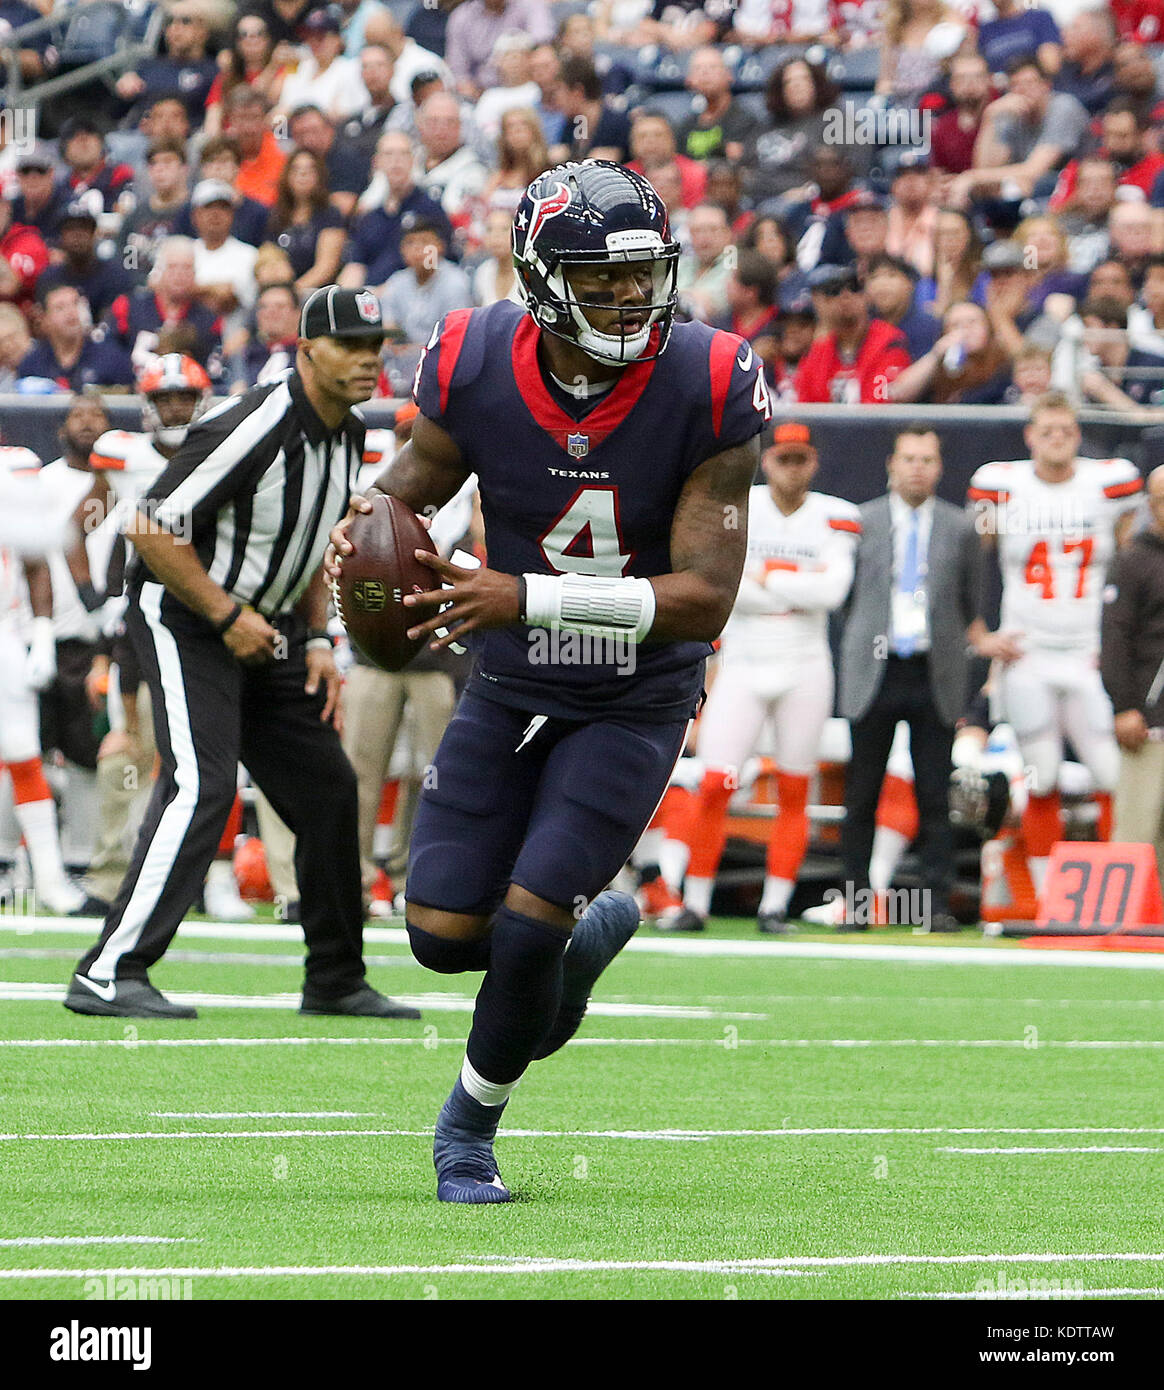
<point x="226" y="612"/>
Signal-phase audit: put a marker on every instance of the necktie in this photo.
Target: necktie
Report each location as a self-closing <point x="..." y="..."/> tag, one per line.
<point x="907" y="581"/>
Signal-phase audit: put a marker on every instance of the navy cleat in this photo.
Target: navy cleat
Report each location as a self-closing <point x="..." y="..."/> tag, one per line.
<point x="462" y="1150"/>
<point x="604" y="929"/>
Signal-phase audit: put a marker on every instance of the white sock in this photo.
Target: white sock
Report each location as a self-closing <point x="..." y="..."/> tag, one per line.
<point x="697" y="895"/>
<point x="485" y="1092"/>
<point x="648" y="848"/>
<point x="673" y="858"/>
<point x="1037" y="868"/>
<point x="776" y="893"/>
<point x="220" y="876"/>
<point x="38" y="825"/>
<point x="888" y="847"/>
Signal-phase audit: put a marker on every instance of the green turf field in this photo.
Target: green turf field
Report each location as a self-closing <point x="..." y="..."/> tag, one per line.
<point x="728" y="1126"/>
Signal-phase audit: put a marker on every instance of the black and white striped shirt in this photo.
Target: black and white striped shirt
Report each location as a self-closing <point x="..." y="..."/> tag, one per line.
<point x="256" y="487"/>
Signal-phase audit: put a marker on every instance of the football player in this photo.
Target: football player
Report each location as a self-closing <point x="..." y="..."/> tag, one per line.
<point x="774" y="664"/>
<point x="27" y="665"/>
<point x="1056" y="519"/>
<point x="614" y="451"/>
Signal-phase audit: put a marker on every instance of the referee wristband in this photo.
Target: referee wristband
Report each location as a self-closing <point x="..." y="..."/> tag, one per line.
<point x="231" y="618"/>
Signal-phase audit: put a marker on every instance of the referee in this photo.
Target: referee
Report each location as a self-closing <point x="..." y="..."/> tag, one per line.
<point x="226" y="610"/>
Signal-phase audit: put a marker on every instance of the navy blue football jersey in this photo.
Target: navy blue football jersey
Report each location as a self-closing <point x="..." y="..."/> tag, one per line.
<point x="566" y="488"/>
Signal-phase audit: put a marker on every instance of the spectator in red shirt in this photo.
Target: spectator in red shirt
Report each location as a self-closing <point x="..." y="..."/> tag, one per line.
<point x="752" y="311"/>
<point x="856" y="358"/>
<point x="956" y="130"/>
<point x="23" y="256"/>
<point x="652" y="142"/>
<point x="1139" y="21"/>
<point x="1125" y="144"/>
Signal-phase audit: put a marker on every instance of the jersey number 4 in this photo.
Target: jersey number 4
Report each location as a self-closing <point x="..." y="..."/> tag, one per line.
<point x="585" y="539"/>
<point x="1041" y="574"/>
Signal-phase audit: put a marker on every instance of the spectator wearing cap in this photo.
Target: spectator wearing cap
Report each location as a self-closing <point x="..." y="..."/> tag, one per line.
<point x="1010" y="279"/>
<point x="704" y="270"/>
<point x="890" y="284"/>
<point x="325" y="78"/>
<point x="168" y="300"/>
<point x="779" y="156"/>
<point x="1087" y="73"/>
<point x="272" y="348"/>
<point x="1110" y="371"/>
<point x="23" y="258"/>
<point x="347" y="171"/>
<point x="912" y="212"/>
<point x="856" y="357"/>
<point x="447" y="168"/>
<point x="866" y="229"/>
<point x="966" y="366"/>
<point x="955" y="132"/>
<point x="373" y="252"/>
<point x="1027" y="134"/>
<point x="415" y="299"/>
<point x="224" y="266"/>
<point x="1020" y="30"/>
<point x="304" y="223"/>
<point x="364" y="129"/>
<point x="652" y="143"/>
<point x="594" y="129"/>
<point x="514" y="88"/>
<point x="720" y="127"/>
<point x="221" y="162"/>
<point x="182" y="68"/>
<point x="68" y="353"/>
<point x="472" y="33"/>
<point x="42" y="199"/>
<point x="100" y="281"/>
<point x="160" y="213"/>
<point x="82" y="147"/>
<point x="261" y="159"/>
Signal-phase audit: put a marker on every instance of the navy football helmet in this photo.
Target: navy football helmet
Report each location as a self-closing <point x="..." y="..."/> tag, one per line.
<point x="595" y="213"/>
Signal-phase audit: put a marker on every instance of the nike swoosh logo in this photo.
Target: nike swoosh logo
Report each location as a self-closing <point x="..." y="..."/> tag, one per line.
<point x="107" y="992"/>
<point x="745" y="361"/>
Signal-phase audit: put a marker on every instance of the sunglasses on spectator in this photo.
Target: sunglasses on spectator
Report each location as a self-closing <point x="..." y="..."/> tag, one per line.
<point x="183" y="19"/>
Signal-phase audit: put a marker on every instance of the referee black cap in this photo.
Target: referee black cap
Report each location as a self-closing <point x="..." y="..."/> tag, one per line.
<point x="332" y="312"/>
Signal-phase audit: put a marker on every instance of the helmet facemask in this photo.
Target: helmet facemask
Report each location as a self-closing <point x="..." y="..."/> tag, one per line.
<point x="171" y="436"/>
<point x="558" y="310"/>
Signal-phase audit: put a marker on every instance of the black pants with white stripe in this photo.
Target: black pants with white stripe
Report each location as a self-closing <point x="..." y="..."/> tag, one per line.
<point x="210" y="712"/>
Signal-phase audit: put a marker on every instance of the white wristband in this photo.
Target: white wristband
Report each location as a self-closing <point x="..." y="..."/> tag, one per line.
<point x="588" y="603"/>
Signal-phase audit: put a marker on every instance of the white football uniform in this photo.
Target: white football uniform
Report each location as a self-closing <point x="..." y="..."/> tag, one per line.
<point x="131" y="461"/>
<point x="774" y="654"/>
<point x="1055" y="544"/>
<point x="19" y="709"/>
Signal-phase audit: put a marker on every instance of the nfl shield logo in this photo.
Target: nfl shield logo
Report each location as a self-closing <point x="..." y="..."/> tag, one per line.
<point x="577" y="445"/>
<point x="368" y="306"/>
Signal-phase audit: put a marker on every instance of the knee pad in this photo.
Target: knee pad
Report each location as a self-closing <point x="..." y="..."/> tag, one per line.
<point x="446" y="956"/>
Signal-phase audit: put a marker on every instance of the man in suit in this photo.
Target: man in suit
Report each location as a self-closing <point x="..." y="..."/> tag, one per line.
<point x="904" y="657"/>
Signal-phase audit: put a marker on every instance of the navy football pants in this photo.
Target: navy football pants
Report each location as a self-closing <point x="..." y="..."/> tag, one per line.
<point x="558" y="813"/>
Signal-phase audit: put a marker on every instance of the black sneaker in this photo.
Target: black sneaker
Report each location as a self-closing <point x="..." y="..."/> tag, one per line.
<point x="364" y="1002"/>
<point x="686" y="921"/>
<point x="122" y="999"/>
<point x="773" y="924"/>
<point x="946" y="923"/>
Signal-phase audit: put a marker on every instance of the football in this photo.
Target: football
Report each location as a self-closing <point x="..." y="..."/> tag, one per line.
<point x="380" y="571"/>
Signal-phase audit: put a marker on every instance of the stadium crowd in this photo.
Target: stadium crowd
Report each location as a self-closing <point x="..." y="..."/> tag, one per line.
<point x="898" y="202"/>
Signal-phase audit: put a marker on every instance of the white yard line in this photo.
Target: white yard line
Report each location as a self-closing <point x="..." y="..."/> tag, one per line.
<point x="1062" y="1149"/>
<point x="938" y="954"/>
<point x="1010" y="1296"/>
<point x="46" y="992"/>
<point x="22" y="1242"/>
<point x="271" y="1115"/>
<point x="792" y="1265"/>
<point x="786" y="1132"/>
